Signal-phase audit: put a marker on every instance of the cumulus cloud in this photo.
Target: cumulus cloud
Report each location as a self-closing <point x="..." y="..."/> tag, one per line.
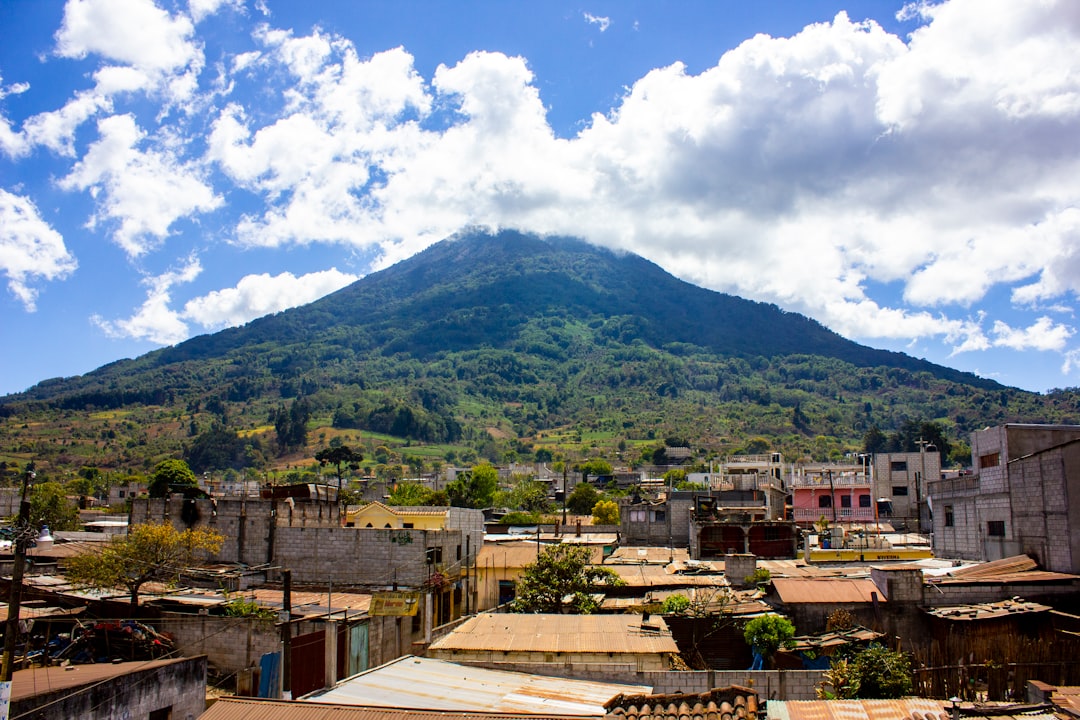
<point x="29" y="248"/>
<point x="258" y="295"/>
<point x="157" y="320"/>
<point x="144" y="192"/>
<point x="809" y="171"/>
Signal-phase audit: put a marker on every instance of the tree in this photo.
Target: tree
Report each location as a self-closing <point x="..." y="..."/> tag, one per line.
<point x="474" y="488"/>
<point x="170" y="475"/>
<point x="560" y="572"/>
<point x="767" y="634"/>
<point x="582" y="499"/>
<point x="882" y="673"/>
<point x="148" y="552"/>
<point x="527" y="495"/>
<point x="874" y="672"/>
<point x="339" y="456"/>
<point x="595" y="467"/>
<point x="413" y="493"/>
<point x="49" y="505"/>
<point x="605" y="512"/>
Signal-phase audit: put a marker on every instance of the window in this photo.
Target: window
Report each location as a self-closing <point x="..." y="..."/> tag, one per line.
<point x="995" y="528"/>
<point x="899" y="490"/>
<point x="864" y="501"/>
<point x="407" y="526"/>
<point x="825" y="501"/>
<point x="898" y="466"/>
<point x="949" y="517"/>
<point x="658" y="516"/>
<point x="434" y="555"/>
<point x="772" y="533"/>
<point x="845" y="501"/>
<point x="458" y="552"/>
<point x="164" y="713"/>
<point x="121" y="493"/>
<point x="989" y="460"/>
<point x="638" y="516"/>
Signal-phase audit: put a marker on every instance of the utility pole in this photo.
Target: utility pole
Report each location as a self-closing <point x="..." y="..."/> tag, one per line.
<point x="286" y="635"/>
<point x="22" y="534"/>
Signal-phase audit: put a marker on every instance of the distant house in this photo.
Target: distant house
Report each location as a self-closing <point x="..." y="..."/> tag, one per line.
<point x="902" y="482"/>
<point x="500" y="565"/>
<point x="574" y="643"/>
<point x="840" y="493"/>
<point x="378" y="515"/>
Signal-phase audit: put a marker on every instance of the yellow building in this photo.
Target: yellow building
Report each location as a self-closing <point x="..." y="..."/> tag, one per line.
<point x="500" y="565"/>
<point x="377" y="515"/>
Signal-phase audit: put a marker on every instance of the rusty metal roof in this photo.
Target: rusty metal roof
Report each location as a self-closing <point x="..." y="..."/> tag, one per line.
<point x="39" y="680"/>
<point x="237" y="708"/>
<point x="510" y="632"/>
<point x="430" y="684"/>
<point x="649" y="576"/>
<point x="988" y="611"/>
<point x="902" y="709"/>
<point x="825" y="590"/>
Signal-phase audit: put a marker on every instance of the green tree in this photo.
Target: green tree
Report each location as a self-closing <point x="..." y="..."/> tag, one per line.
<point x="148" y="552"/>
<point x="475" y="487"/>
<point x="413" y="494"/>
<point x="768" y="633"/>
<point x="340" y="457"/>
<point x="527" y="495"/>
<point x="605" y="512"/>
<point x="49" y="505"/>
<point x="582" y="499"/>
<point x="594" y="468"/>
<point x="170" y="475"/>
<point x="882" y="673"/>
<point x="561" y="571"/>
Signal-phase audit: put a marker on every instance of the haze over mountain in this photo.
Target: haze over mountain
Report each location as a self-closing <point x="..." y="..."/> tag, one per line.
<point x="503" y="335"/>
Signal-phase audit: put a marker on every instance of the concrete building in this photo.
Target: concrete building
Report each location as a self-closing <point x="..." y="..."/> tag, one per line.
<point x="1024" y="498"/>
<point x="840" y="493"/>
<point x="901" y="482"/>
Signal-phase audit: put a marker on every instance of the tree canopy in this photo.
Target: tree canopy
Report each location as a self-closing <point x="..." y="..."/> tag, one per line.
<point x="340" y="457"/>
<point x="768" y="633"/>
<point x="49" y="505"/>
<point x="582" y="499"/>
<point x="148" y="552"/>
<point x="561" y="578"/>
<point x="170" y="474"/>
<point x="475" y="487"/>
<point x="605" y="512"/>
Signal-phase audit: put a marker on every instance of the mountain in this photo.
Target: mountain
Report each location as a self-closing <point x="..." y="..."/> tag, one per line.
<point x="485" y="340"/>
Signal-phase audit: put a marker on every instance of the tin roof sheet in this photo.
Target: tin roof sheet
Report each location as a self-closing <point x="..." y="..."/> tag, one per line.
<point x="647" y="555"/>
<point x="510" y="632"/>
<point x="430" y="684"/>
<point x="237" y="708"/>
<point x="988" y="611"/>
<point x="653" y="576"/>
<point x="902" y="709"/>
<point x="826" y="590"/>
<point x="40" y="680"/>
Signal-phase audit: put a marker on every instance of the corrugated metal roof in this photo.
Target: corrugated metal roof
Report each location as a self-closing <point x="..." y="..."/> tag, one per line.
<point x="519" y="553"/>
<point x="903" y="709"/>
<point x="647" y="555"/>
<point x="650" y="576"/>
<point x="429" y="684"/>
<point x="235" y="708"/>
<point x="510" y="632"/>
<point x="987" y="611"/>
<point x="36" y="681"/>
<point x="825" y="590"/>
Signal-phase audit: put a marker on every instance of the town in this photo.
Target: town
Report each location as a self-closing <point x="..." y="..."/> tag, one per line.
<point x="759" y="587"/>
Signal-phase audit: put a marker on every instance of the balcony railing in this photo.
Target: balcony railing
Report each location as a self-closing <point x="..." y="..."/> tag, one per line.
<point x="816" y="481"/>
<point x="843" y="514"/>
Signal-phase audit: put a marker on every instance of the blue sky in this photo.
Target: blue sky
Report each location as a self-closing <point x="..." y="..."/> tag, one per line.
<point x="904" y="173"/>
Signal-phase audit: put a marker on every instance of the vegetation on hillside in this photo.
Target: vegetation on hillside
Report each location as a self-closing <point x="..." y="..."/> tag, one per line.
<point x="502" y="349"/>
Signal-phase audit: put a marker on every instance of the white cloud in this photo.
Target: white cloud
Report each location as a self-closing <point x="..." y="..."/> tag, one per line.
<point x="202" y="9"/>
<point x="1045" y="334"/>
<point x="29" y="248"/>
<point x="136" y="32"/>
<point x="145" y="192"/>
<point x="155" y="321"/>
<point x="253" y="296"/>
<point x="258" y="295"/>
<point x="602" y="22"/>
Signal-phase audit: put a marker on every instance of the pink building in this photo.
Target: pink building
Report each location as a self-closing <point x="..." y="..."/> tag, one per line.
<point x="840" y="493"/>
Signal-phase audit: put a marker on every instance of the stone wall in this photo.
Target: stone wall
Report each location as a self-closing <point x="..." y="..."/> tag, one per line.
<point x="230" y="644"/>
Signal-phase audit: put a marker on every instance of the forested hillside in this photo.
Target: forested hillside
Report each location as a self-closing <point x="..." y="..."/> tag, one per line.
<point x="502" y="346"/>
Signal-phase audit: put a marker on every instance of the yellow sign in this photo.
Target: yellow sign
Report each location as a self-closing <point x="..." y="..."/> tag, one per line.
<point x="394" y="603"/>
